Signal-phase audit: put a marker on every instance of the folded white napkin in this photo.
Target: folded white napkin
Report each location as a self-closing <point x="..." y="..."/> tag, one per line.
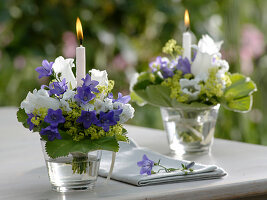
<point x="126" y="169"/>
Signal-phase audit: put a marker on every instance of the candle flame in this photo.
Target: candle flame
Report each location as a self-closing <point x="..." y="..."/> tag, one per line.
<point x="79" y="30"/>
<point x="186" y="19"/>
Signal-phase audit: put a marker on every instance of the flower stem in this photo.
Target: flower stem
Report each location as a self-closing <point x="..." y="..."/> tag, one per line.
<point x="111" y="166"/>
<point x="166" y="169"/>
<point x="79" y="163"/>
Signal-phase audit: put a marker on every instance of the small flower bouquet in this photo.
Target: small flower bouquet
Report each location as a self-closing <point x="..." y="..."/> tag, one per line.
<point x="75" y="120"/>
<point x="189" y="92"/>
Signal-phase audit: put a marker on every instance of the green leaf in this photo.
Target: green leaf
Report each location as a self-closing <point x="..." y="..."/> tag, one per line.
<point x="236" y="77"/>
<point x="142" y="84"/>
<point x="138" y="100"/>
<point x="22" y="117"/>
<point x="171" y="169"/>
<point x="240" y="105"/>
<point x="146" y="79"/>
<point x="63" y="147"/>
<point x="122" y="138"/>
<point x="124" y="131"/>
<point x="159" y="95"/>
<point x="241" y="87"/>
<point x="238" y="96"/>
<point x="145" y="76"/>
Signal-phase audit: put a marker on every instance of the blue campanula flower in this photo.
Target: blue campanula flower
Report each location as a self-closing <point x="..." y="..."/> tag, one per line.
<point x="110" y="96"/>
<point x="87" y="118"/>
<point x="173" y="63"/>
<point x="166" y="72"/>
<point x="87" y="82"/>
<point x="54" y="117"/>
<point x="51" y="132"/>
<point x="84" y="95"/>
<point x="189" y="165"/>
<point x="58" y="88"/>
<point x="106" y="120"/>
<point x="158" y="63"/>
<point x="146" y="165"/>
<point x="121" y="99"/>
<point x="184" y="65"/>
<point x="154" y="64"/>
<point x="117" y="114"/>
<point x="29" y="122"/>
<point x="45" y="69"/>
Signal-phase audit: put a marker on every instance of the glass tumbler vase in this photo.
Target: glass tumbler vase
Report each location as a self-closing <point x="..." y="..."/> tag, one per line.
<point x="190" y="130"/>
<point x="75" y="172"/>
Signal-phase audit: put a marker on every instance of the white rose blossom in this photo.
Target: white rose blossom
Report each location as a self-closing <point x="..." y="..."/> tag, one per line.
<point x="103" y="106"/>
<point x="65" y="105"/>
<point x="207" y="50"/>
<point x="39" y="99"/>
<point x="88" y="107"/>
<point x="68" y="95"/>
<point x="222" y="64"/>
<point x="108" y="103"/>
<point x="127" y="113"/>
<point x="64" y="67"/>
<point x="100" y="76"/>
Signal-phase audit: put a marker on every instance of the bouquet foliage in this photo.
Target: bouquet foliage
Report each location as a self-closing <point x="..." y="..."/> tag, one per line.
<point x="201" y="82"/>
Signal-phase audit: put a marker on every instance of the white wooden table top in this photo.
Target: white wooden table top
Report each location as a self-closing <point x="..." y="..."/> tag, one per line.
<point x="23" y="174"/>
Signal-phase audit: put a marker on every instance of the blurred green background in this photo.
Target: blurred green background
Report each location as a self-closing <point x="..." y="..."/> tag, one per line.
<point x="123" y="36"/>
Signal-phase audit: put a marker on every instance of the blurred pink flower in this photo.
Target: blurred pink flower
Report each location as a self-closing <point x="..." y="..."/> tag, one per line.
<point x="69" y="44"/>
<point x="19" y="62"/>
<point x="252" y="46"/>
<point x="119" y="63"/>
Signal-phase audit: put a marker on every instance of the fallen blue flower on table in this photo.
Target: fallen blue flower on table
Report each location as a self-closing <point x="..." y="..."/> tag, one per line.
<point x="147" y="165"/>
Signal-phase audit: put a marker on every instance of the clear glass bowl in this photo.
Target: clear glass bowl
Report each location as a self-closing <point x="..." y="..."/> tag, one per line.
<point x="77" y="171"/>
<point x="190" y="130"/>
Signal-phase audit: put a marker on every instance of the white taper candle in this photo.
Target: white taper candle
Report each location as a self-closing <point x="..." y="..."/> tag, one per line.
<point x="80" y="55"/>
<point x="80" y="65"/>
<point x="187" y="37"/>
<point x="187" y="45"/>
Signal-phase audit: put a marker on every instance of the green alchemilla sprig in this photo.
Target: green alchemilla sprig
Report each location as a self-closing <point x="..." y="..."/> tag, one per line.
<point x="172" y="48"/>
